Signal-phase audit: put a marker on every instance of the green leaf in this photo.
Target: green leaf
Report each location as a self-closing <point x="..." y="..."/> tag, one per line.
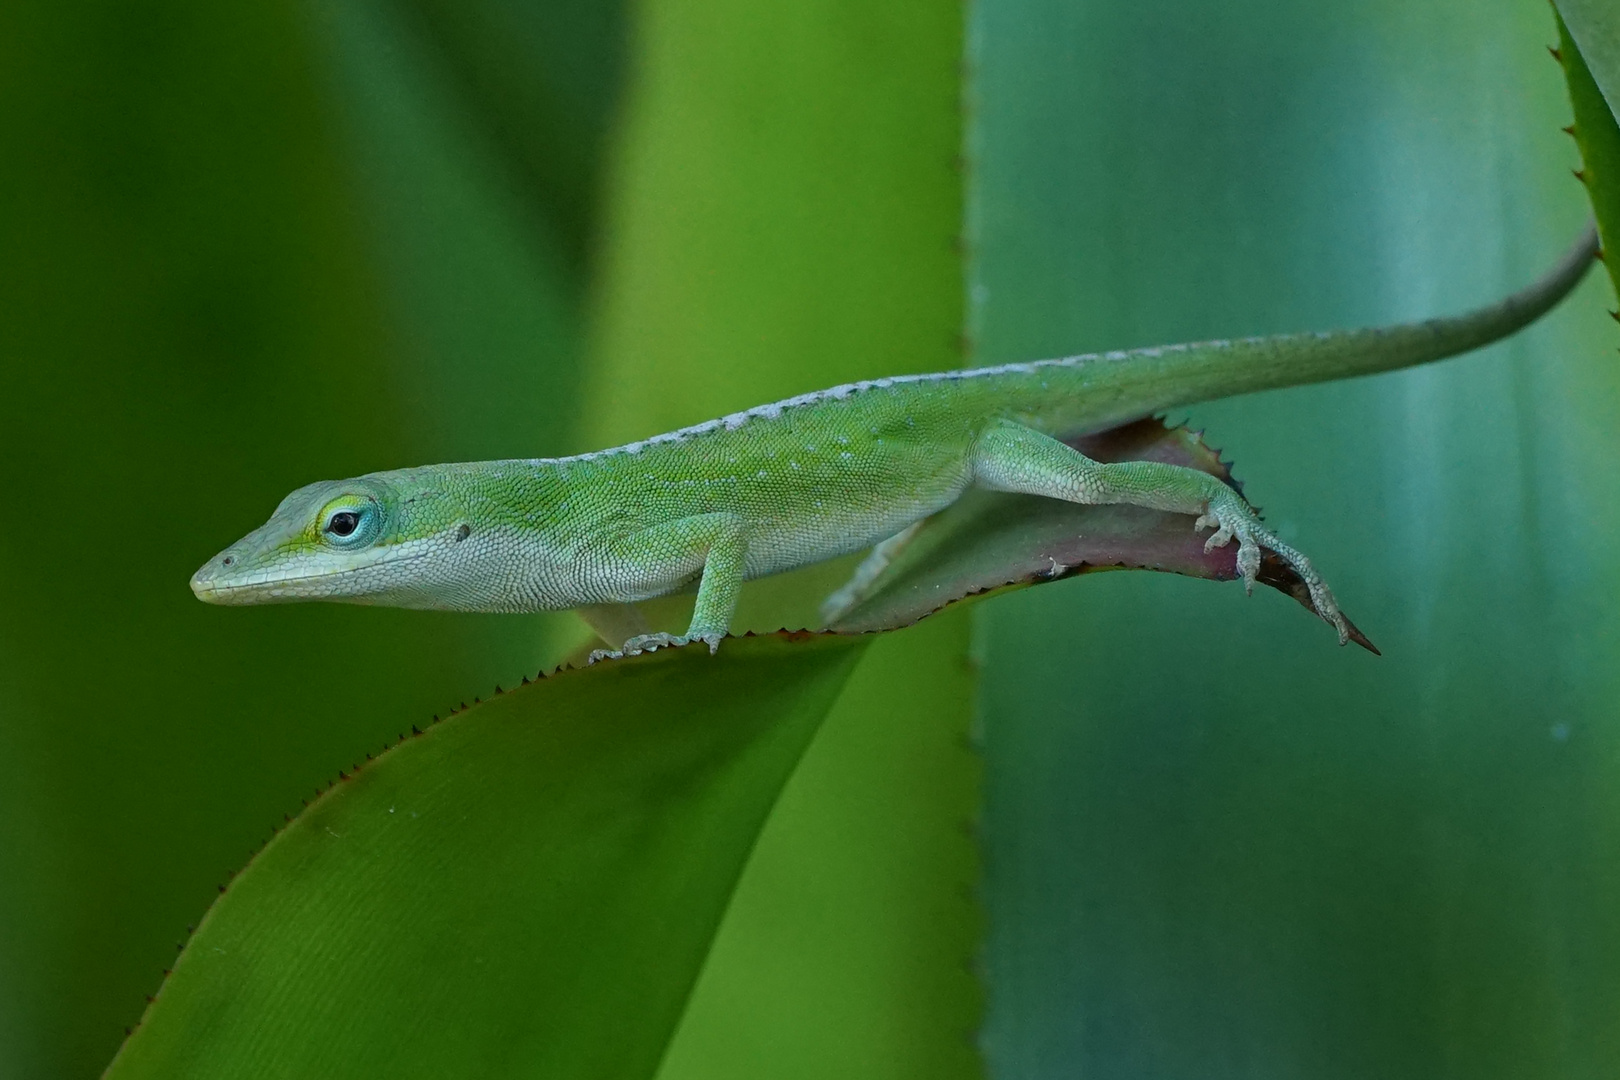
<point x="1217" y="846"/>
<point x="243" y="249"/>
<point x="1594" y="95"/>
<point x="527" y="889"/>
<point x="782" y="217"/>
<point x="541" y="82"/>
<point x="1595" y="26"/>
<point x="990" y="541"/>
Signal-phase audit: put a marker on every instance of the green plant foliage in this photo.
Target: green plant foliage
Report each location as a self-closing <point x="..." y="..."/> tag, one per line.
<point x="471" y="253"/>
<point x="526" y="889"/>
<point x="238" y="252"/>
<point x="1596" y="27"/>
<point x="541" y="81"/>
<point x="1216" y="845"/>
<point x="1594" y="104"/>
<point x="782" y="217"/>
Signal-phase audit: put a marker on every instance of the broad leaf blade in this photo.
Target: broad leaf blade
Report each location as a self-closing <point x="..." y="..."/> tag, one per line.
<point x="1589" y="52"/>
<point x="197" y="315"/>
<point x="989" y="541"/>
<point x="542" y="83"/>
<point x="527" y="889"/>
<point x="781" y="215"/>
<point x="1216" y="846"/>
<point x="1595" y="26"/>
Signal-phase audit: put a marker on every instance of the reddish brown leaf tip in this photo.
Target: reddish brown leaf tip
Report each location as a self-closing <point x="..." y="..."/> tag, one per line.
<point x="1580" y="175"/>
<point x="1556" y="55"/>
<point x="1361" y="639"/>
<point x="1282" y="577"/>
<point x="1568" y="129"/>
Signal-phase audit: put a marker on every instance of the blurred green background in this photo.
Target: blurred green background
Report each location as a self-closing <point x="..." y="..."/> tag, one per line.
<point x="242" y="249"/>
<point x="1215" y="845"/>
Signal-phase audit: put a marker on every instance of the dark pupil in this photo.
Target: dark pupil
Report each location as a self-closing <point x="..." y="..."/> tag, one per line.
<point x="343" y="523"/>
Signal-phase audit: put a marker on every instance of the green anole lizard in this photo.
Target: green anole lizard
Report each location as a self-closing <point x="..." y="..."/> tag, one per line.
<point x="802" y="480"/>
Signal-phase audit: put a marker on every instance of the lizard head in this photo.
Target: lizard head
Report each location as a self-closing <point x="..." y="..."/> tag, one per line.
<point x="335" y="540"/>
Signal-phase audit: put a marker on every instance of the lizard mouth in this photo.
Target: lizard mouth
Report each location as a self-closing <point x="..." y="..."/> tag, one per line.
<point x="271" y="589"/>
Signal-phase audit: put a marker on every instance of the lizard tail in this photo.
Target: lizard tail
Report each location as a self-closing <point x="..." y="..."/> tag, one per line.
<point x="1112" y="388"/>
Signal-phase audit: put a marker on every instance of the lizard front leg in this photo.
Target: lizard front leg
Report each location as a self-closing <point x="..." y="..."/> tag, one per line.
<point x="715" y="545"/>
<point x="1011" y="457"/>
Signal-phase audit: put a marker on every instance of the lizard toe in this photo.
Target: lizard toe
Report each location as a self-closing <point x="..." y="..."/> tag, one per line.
<point x="651" y="642"/>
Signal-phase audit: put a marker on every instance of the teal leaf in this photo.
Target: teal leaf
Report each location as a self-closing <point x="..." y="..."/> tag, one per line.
<point x="1216" y="846"/>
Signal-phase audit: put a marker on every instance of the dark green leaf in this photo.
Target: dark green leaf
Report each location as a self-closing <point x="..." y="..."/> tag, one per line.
<point x="201" y="308"/>
<point x="542" y="83"/>
<point x="527" y="889"/>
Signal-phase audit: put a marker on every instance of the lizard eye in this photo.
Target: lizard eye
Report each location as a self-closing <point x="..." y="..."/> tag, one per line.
<point x="349" y="522"/>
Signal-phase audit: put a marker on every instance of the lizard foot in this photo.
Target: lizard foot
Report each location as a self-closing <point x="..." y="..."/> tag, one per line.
<point x="649" y="642"/>
<point x="636" y="646"/>
<point x="1231" y="519"/>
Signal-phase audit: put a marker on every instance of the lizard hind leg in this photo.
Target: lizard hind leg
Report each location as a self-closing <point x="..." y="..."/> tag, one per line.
<point x="859" y="586"/>
<point x="1008" y="456"/>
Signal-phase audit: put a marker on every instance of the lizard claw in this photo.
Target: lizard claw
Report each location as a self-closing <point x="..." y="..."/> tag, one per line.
<point x="1232" y="518"/>
<point x="1248" y="561"/>
<point x="1228" y="524"/>
<point x="651" y="642"/>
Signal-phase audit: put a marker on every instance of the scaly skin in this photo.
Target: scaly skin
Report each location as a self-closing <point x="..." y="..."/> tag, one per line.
<point x="802" y="480"/>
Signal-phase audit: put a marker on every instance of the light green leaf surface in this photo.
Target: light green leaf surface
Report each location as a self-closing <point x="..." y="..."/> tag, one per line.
<point x="783" y="217"/>
<point x="1596" y="129"/>
<point x="524" y="890"/>
<point x="1217" y="846"/>
<point x="1595" y="26"/>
